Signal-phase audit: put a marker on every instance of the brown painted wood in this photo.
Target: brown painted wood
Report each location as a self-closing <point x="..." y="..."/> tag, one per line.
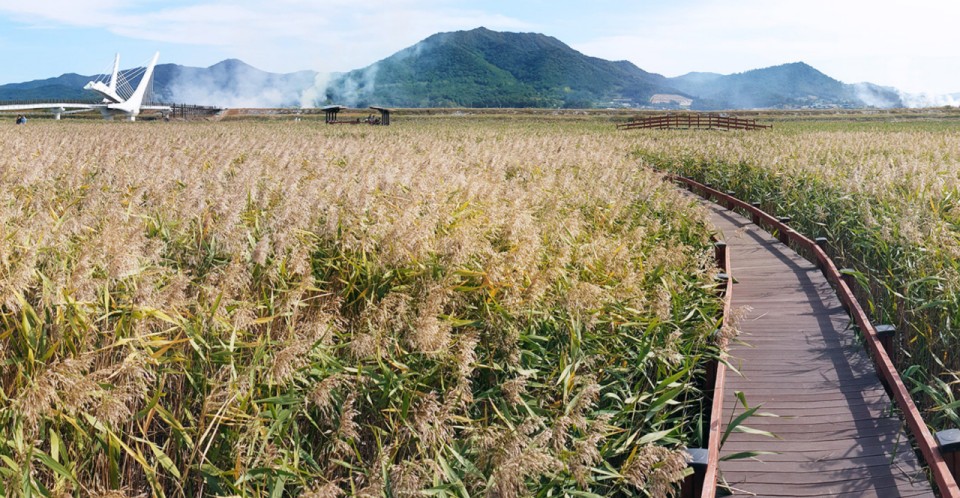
<point x="798" y="358"/>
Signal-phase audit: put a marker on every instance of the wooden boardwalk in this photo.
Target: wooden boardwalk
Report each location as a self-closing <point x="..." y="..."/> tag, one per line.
<point x="838" y="434"/>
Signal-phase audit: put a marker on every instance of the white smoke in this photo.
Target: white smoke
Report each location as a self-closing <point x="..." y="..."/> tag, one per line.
<point x="887" y="97"/>
<point x="349" y="89"/>
<point x="918" y="100"/>
<point x="315" y="94"/>
<point x="209" y="95"/>
<point x="235" y="84"/>
<point x="875" y="96"/>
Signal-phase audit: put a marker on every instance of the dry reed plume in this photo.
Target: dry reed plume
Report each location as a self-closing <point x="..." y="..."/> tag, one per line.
<point x="252" y="309"/>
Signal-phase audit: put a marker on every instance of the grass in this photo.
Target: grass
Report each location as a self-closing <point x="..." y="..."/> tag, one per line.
<point x="441" y="307"/>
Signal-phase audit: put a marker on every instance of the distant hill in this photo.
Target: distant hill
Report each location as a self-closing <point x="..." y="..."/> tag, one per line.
<point x="229" y="83"/>
<point x="65" y="87"/>
<point x="788" y="85"/>
<point x="484" y="68"/>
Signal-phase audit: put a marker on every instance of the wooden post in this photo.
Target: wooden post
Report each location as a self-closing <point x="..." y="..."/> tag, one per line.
<point x="949" y="443"/>
<point x="851" y="284"/>
<point x="782" y="234"/>
<point x="721" y="250"/>
<point x="732" y="195"/>
<point x="822" y="244"/>
<point x="754" y="216"/>
<point x="886" y="334"/>
<point x="697" y="459"/>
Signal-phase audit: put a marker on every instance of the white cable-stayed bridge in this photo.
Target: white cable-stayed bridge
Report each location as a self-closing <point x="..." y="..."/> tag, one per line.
<point x="120" y="97"/>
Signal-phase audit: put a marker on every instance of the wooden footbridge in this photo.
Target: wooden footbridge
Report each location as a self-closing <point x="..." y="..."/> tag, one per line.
<point x="693" y="122"/>
<point x="845" y="424"/>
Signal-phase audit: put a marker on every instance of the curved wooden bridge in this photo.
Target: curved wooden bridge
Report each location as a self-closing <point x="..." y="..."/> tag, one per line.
<point x="842" y="418"/>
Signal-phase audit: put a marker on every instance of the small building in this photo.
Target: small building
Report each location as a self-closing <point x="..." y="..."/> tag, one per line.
<point x="330" y="113"/>
<point x="384" y="115"/>
<point x="669" y="98"/>
<point x="330" y="116"/>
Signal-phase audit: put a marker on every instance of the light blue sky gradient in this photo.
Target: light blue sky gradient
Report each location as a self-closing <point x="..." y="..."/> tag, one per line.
<point x="912" y="45"/>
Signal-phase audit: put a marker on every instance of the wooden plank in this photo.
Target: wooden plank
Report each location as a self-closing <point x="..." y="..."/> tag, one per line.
<point x="858" y="445"/>
<point x="794" y="457"/>
<point x="802" y="399"/>
<point x="865" y="477"/>
<point x="768" y="464"/>
<point x="858" y="488"/>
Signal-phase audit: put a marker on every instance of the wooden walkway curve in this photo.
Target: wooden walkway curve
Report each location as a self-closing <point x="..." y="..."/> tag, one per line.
<point x="837" y="431"/>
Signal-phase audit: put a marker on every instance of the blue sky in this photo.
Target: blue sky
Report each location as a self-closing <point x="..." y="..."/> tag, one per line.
<point x="913" y="45"/>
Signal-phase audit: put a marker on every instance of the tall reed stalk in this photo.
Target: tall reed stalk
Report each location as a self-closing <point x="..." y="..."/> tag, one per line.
<point x="290" y="309"/>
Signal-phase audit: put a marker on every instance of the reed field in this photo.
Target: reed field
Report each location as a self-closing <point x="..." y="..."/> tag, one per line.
<point x="447" y="307"/>
<point x="887" y="196"/>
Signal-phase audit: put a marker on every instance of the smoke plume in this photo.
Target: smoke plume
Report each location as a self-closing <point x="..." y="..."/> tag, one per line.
<point x="232" y="83"/>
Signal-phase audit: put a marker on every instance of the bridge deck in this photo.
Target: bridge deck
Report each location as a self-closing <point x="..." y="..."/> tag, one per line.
<point x="837" y="432"/>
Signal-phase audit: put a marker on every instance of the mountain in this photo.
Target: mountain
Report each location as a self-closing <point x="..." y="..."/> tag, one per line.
<point x="484" y="68"/>
<point x="785" y="86"/>
<point x="229" y="83"/>
<point x="65" y="87"/>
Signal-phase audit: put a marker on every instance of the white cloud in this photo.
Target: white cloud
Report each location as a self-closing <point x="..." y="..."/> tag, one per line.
<point x="850" y="40"/>
<point x="65" y="12"/>
<point x="281" y="35"/>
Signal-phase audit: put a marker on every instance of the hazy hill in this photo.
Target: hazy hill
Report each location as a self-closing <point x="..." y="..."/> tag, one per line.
<point x="230" y="83"/>
<point x="484" y="68"/>
<point x="65" y="87"/>
<point x="788" y="85"/>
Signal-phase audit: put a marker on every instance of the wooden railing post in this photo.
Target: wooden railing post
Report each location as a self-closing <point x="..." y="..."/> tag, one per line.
<point x="720" y="249"/>
<point x="822" y="244"/>
<point x="851" y="282"/>
<point x="886" y="333"/>
<point x="782" y="234"/>
<point x="697" y="459"/>
<point x="732" y="196"/>
<point x="755" y="217"/>
<point x="949" y="443"/>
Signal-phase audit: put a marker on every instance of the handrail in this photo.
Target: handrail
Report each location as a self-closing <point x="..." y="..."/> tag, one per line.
<point x="702" y="482"/>
<point x="929" y="449"/>
<point x="716" y="410"/>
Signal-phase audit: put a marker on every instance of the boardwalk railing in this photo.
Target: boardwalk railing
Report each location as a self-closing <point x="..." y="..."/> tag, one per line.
<point x="930" y="450"/>
<point x="188" y="110"/>
<point x="705" y="461"/>
<point x="693" y="121"/>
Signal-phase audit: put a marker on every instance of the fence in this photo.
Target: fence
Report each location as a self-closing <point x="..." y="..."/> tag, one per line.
<point x="693" y="122"/>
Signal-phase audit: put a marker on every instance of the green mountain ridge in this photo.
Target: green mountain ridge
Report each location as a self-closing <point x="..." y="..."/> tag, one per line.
<point x="485" y="68"/>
